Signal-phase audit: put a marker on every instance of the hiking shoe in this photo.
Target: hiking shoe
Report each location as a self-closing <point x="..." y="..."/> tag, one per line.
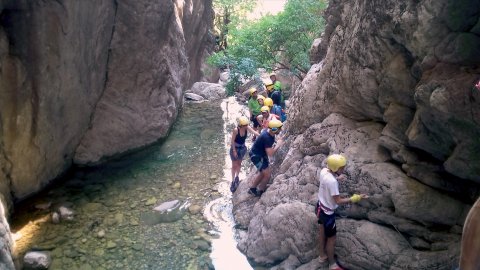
<point x="255" y="192"/>
<point x="234" y="185"/>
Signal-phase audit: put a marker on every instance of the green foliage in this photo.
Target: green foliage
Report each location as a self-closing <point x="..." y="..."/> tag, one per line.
<point x="229" y="14"/>
<point x="273" y="42"/>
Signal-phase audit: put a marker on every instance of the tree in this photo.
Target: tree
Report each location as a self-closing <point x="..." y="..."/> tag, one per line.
<point x="275" y="42"/>
<point x="229" y="14"/>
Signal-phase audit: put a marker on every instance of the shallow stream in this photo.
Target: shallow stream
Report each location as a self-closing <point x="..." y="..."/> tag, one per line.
<point x="114" y="225"/>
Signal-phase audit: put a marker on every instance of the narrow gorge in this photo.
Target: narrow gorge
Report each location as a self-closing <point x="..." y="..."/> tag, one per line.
<point x="391" y="87"/>
<point x="83" y="81"/>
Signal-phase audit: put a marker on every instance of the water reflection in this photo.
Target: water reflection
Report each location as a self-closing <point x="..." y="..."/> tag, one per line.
<point x="115" y="226"/>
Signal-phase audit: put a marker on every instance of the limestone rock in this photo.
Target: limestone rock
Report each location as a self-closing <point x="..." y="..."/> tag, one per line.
<point x="160" y="48"/>
<point x="193" y="97"/>
<point x="209" y="91"/>
<point x="37" y="260"/>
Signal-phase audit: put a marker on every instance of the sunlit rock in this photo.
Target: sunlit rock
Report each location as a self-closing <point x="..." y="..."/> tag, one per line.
<point x="37" y="260"/>
<point x="209" y="91"/>
<point x="66" y="213"/>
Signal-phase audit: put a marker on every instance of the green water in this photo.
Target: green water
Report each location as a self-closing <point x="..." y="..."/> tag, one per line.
<point x="115" y="226"/>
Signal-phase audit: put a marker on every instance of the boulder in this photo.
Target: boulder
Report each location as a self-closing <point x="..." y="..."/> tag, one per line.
<point x="36" y="260"/>
<point x="209" y="91"/>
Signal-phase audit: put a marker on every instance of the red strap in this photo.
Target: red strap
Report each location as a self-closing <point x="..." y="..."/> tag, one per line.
<point x="324" y="207"/>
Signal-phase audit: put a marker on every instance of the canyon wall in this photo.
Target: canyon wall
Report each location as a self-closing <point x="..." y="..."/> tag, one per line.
<point x="392" y="88"/>
<point x="82" y="81"/>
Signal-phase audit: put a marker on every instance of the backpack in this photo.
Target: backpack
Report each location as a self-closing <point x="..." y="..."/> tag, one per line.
<point x="277" y="110"/>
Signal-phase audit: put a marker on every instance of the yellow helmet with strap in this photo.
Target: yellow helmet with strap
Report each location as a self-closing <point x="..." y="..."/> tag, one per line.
<point x="335" y="162"/>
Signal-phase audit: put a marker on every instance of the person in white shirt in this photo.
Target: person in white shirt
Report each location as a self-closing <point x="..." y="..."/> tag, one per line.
<point x="328" y="200"/>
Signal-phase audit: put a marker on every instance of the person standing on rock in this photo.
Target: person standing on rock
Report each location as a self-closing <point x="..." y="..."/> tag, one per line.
<point x="254" y="108"/>
<point x="263" y="149"/>
<point x="238" y="148"/>
<point x="328" y="200"/>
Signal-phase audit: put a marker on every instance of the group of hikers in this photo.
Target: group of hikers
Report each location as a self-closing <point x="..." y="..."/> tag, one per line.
<point x="267" y="115"/>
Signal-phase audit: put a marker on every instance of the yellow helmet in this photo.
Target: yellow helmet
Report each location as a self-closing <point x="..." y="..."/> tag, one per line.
<point x="268" y="102"/>
<point x="260" y="97"/>
<point x="335" y="162"/>
<point x="272" y="74"/>
<point x="275" y="124"/>
<point x="252" y="90"/>
<point x="243" y="121"/>
<point x="265" y="109"/>
<point x="268" y="84"/>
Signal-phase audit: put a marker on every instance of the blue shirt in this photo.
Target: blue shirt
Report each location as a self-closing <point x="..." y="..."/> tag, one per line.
<point x="265" y="140"/>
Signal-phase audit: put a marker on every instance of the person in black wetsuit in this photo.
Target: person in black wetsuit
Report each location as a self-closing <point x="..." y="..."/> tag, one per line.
<point x="238" y="148"/>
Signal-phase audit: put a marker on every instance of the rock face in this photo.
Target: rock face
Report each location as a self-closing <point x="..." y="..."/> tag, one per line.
<point x="85" y="80"/>
<point x="394" y="93"/>
<point x="139" y="107"/>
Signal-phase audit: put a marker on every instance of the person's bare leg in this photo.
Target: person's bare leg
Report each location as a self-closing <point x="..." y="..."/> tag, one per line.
<point x="233" y="170"/>
<point x="236" y="165"/>
<point x="321" y="241"/>
<point x="330" y="248"/>
<point x="266" y="176"/>
<point x="257" y="179"/>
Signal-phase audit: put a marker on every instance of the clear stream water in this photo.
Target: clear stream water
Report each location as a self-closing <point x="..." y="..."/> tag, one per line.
<point x="115" y="226"/>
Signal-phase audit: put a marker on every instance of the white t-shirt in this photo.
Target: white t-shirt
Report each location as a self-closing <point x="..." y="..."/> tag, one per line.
<point x="326" y="190"/>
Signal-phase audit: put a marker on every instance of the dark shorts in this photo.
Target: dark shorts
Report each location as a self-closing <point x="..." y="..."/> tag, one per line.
<point x="261" y="163"/>
<point x="241" y="151"/>
<point x="328" y="222"/>
<point x="254" y="121"/>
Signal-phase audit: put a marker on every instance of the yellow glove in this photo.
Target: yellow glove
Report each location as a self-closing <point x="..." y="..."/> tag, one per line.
<point x="355" y="198"/>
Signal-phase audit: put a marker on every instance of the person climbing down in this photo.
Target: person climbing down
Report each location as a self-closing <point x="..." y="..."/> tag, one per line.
<point x="254" y="108"/>
<point x="261" y="151"/>
<point x="328" y="200"/>
<point x="238" y="148"/>
<point x="265" y="117"/>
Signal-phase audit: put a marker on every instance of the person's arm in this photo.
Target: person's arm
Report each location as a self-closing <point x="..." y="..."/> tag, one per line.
<point x="353" y="199"/>
<point x="271" y="150"/>
<point x="251" y="130"/>
<point x="232" y="142"/>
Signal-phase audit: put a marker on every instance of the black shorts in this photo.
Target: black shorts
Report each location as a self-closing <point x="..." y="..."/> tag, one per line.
<point x="328" y="222"/>
<point x="261" y="163"/>
<point x="254" y="121"/>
